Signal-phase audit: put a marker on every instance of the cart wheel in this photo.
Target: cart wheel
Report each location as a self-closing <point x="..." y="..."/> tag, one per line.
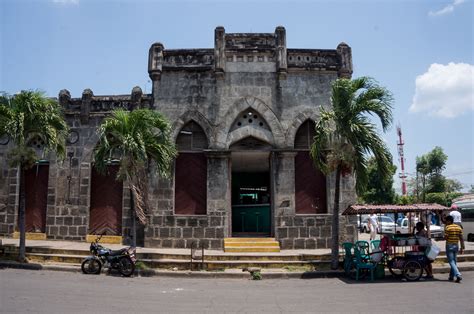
<point x="394" y="268"/>
<point x="412" y="271"/>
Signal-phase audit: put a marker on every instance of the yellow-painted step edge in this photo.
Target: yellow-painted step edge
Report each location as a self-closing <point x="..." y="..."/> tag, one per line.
<point x="248" y="239"/>
<point x="251" y="249"/>
<point x="244" y="244"/>
<point x="105" y="239"/>
<point x="30" y="235"/>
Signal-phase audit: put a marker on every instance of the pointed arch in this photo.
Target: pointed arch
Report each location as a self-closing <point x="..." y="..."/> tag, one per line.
<point x="249" y="131"/>
<point x="304" y="136"/>
<point x="301" y="118"/>
<point x="263" y="111"/>
<point x="191" y="137"/>
<point x="197" y="117"/>
<point x="192" y="133"/>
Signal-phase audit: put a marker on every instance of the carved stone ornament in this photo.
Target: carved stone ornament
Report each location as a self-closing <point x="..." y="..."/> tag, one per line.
<point x="72" y="137"/>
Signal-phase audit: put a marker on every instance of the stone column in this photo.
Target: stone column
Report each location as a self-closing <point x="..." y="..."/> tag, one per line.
<point x="219" y="208"/>
<point x="283" y="197"/>
<point x="281" y="55"/>
<point x="219" y="51"/>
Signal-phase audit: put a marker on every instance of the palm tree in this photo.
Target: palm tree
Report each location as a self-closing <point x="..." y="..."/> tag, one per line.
<point x="140" y="140"/>
<point x="24" y="118"/>
<point x="345" y="138"/>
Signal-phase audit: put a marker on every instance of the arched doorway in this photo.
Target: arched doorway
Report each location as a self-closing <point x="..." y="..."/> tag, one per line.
<point x="36" y="191"/>
<point x="191" y="171"/>
<point x="251" y="188"/>
<point x="310" y="182"/>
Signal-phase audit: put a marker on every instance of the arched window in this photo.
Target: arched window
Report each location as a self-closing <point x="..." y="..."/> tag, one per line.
<point x="310" y="183"/>
<point x="191" y="171"/>
<point x="191" y="138"/>
<point x="304" y="135"/>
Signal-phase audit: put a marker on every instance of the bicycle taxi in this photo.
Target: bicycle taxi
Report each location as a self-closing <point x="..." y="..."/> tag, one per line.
<point x="405" y="255"/>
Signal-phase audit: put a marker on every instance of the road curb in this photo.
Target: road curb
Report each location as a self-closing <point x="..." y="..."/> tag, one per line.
<point x="210" y="274"/>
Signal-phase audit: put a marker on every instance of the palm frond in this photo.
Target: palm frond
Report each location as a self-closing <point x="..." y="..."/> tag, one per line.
<point x="345" y="136"/>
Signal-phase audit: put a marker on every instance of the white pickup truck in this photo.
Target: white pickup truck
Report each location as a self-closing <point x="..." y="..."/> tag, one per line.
<point x="437" y="232"/>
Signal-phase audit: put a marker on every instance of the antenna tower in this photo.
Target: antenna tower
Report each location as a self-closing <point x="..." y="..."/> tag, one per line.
<point x="401" y="156"/>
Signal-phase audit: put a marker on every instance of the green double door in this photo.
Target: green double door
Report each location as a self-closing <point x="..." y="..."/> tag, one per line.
<point x="251" y="213"/>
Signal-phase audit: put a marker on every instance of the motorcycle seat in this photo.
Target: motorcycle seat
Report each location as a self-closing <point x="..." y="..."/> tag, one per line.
<point x="117" y="252"/>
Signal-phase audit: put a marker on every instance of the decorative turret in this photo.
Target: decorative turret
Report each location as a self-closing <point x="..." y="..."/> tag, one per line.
<point x="87" y="95"/>
<point x="155" y="61"/>
<point x="281" y="55"/>
<point x="136" y="97"/>
<point x="344" y="53"/>
<point x="64" y="98"/>
<point x="219" y="51"/>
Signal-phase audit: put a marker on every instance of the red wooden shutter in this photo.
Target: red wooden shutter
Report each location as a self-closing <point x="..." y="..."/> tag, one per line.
<point x="36" y="191"/>
<point x="191" y="184"/>
<point x="310" y="186"/>
<point x="106" y="203"/>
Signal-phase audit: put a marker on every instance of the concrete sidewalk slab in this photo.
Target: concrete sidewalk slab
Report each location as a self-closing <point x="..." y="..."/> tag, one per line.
<point x="227" y="274"/>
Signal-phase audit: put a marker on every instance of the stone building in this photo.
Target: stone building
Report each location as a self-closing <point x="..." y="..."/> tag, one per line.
<point x="242" y="116"/>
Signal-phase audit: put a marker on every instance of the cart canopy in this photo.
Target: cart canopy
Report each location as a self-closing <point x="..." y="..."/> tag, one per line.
<point x="387" y="209"/>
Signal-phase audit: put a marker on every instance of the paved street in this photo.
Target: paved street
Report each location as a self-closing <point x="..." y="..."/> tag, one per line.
<point x="24" y="291"/>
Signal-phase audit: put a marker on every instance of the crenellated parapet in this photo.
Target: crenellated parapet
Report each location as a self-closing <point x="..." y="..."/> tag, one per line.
<point x="250" y="52"/>
<point x="313" y="59"/>
<point x="90" y="104"/>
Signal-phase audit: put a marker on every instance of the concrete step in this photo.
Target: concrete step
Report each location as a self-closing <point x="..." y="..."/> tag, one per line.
<point x="241" y="245"/>
<point x="242" y="249"/>
<point x="248" y="239"/>
<point x="250" y="244"/>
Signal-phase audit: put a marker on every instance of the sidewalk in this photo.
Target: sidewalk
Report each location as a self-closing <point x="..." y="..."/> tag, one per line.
<point x="271" y="273"/>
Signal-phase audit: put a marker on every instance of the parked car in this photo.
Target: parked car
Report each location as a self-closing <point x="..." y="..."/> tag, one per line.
<point x="437" y="232"/>
<point x="386" y="225"/>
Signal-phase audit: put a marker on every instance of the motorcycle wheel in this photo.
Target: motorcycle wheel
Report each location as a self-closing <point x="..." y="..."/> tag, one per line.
<point x="126" y="266"/>
<point x="91" y="266"/>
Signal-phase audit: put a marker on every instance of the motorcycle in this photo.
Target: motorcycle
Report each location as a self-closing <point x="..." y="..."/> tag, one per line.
<point x="123" y="260"/>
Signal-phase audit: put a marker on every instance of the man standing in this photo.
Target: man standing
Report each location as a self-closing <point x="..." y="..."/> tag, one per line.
<point x="453" y="235"/>
<point x="373" y="225"/>
<point x="456" y="215"/>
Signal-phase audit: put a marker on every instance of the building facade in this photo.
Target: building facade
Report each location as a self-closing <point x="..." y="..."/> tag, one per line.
<point x="242" y="117"/>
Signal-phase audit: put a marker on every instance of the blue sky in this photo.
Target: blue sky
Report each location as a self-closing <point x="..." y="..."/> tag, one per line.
<point x="420" y="50"/>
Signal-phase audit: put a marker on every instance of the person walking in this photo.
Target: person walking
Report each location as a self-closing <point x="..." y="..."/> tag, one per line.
<point x="453" y="235"/>
<point x="373" y="225"/>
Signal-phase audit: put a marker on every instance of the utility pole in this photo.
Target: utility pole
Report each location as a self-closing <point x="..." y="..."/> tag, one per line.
<point x="402" y="175"/>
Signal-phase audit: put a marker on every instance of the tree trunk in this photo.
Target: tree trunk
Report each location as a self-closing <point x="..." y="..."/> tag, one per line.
<point x="335" y="223"/>
<point x="134" y="220"/>
<point x="424" y="187"/>
<point x="21" y="216"/>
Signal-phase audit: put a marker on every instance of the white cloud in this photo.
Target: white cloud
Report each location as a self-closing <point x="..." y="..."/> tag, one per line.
<point x="445" y="90"/>
<point x="447" y="9"/>
<point x="75" y="2"/>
